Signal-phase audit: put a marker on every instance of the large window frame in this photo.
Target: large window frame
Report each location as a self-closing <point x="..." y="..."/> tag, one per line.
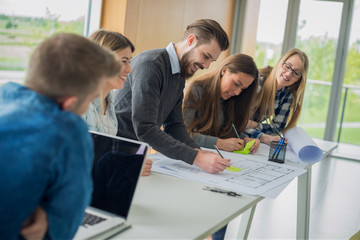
<point x="289" y="42"/>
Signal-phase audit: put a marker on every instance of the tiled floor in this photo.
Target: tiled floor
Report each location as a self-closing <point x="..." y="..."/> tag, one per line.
<point x="335" y="204"/>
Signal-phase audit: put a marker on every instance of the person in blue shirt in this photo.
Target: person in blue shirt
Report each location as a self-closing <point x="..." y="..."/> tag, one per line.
<point x="46" y="152"/>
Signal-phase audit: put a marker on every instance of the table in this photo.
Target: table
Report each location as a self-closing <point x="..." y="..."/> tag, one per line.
<point x="304" y="192"/>
<point x="170" y="207"/>
<point x="238" y="230"/>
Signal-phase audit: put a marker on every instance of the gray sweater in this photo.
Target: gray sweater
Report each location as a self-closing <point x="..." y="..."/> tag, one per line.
<point x="152" y="97"/>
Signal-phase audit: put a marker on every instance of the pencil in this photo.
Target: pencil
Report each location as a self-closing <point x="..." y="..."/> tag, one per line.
<point x="235" y="131"/>
<point x="218" y="151"/>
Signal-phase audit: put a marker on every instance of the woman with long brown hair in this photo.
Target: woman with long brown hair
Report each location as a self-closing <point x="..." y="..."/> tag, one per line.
<point x="219" y="100"/>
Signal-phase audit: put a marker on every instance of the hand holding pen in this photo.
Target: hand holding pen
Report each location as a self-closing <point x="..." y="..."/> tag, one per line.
<point x="254" y="148"/>
<point x="211" y="162"/>
<point x="276" y="153"/>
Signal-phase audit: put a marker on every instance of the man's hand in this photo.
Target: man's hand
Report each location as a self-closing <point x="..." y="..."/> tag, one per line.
<point x="147" y="167"/>
<point x="36" y="225"/>
<point x="256" y="145"/>
<point x="211" y="162"/>
<point x="230" y="144"/>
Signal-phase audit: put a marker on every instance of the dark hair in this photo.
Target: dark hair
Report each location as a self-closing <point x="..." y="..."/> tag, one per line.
<point x="69" y="65"/>
<point x="236" y="110"/>
<point x="206" y="30"/>
<point x="112" y="40"/>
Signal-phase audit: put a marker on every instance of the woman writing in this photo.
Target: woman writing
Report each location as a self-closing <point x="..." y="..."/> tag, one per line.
<point x="220" y="99"/>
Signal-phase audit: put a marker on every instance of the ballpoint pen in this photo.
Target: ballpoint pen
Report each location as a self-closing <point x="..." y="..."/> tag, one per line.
<point x="218" y="151"/>
<point x="272" y="124"/>
<point x="278" y="149"/>
<point x="229" y="165"/>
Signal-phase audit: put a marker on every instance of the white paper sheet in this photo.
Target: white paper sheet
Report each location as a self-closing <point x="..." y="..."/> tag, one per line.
<point x="303" y="145"/>
<point x="256" y="177"/>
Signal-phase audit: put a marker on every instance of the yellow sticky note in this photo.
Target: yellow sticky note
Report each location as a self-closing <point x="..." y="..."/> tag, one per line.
<point x="246" y="149"/>
<point x="233" y="169"/>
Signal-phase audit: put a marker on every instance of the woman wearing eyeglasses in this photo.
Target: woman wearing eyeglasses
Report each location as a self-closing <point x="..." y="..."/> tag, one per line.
<point x="280" y="96"/>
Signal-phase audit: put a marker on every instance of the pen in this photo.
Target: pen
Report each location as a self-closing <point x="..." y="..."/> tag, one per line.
<point x="237" y="134"/>
<point x="235" y="131"/>
<point x="218" y="151"/>
<point x="278" y="132"/>
<point x="278" y="149"/>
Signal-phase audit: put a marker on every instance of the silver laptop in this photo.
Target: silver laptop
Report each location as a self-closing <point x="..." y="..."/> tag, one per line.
<point x="116" y="170"/>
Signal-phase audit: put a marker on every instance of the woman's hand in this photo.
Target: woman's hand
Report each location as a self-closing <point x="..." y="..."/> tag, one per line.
<point x="256" y="145"/>
<point x="230" y="144"/>
<point x="147" y="167"/>
<point x="266" y="138"/>
<point x="251" y="124"/>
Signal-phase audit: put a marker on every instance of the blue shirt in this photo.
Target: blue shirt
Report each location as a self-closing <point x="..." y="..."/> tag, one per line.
<point x="45" y="159"/>
<point x="174" y="61"/>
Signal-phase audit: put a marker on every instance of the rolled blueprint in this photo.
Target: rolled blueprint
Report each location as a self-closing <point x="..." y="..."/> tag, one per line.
<point x="303" y="145"/>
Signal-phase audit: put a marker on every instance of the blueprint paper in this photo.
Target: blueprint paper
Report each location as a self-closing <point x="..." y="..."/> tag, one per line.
<point x="303" y="145"/>
<point x="257" y="175"/>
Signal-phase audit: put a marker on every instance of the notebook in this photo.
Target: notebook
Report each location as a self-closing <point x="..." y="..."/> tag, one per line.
<point x="116" y="170"/>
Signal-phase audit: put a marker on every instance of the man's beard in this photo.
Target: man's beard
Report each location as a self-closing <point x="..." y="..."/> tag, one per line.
<point x="185" y="65"/>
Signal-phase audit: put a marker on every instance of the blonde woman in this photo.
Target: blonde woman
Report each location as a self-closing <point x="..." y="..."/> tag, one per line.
<point x="101" y="114"/>
<point x="280" y="96"/>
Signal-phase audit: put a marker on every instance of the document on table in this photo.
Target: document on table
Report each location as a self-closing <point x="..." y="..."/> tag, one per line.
<point x="257" y="175"/>
<point x="303" y="145"/>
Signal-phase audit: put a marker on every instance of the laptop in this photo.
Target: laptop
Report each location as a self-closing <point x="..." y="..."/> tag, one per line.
<point x="116" y="170"/>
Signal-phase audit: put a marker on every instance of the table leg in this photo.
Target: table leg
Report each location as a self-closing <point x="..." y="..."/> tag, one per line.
<point x="303" y="205"/>
<point x="239" y="227"/>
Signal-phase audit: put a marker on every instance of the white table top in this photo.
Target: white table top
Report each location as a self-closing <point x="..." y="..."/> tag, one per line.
<point x="170" y="207"/>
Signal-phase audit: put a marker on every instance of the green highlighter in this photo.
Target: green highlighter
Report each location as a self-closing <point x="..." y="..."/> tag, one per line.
<point x="246" y="149"/>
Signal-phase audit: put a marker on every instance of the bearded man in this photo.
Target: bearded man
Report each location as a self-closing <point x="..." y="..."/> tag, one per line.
<point x="153" y="94"/>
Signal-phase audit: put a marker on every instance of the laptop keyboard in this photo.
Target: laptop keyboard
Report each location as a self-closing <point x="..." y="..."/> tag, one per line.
<point x="90" y="220"/>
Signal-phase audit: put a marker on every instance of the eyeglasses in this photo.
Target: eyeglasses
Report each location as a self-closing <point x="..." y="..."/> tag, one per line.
<point x="288" y="68"/>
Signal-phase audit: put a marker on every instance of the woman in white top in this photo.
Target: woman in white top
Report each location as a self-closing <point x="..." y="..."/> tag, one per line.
<point x="101" y="116"/>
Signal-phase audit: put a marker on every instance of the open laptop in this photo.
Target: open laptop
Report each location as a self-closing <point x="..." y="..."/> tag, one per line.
<point x="116" y="170"/>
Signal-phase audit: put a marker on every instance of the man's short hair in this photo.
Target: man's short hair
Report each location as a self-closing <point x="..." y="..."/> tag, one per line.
<point x="207" y="29"/>
<point x="69" y="65"/>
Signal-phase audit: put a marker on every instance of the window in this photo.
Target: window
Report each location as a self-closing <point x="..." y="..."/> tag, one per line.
<point x="24" y="24"/>
<point x="349" y="117"/>
<point x="317" y="35"/>
<point x="270" y="32"/>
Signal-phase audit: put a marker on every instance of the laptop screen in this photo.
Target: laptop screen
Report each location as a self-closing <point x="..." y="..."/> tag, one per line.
<point x="116" y="170"/>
